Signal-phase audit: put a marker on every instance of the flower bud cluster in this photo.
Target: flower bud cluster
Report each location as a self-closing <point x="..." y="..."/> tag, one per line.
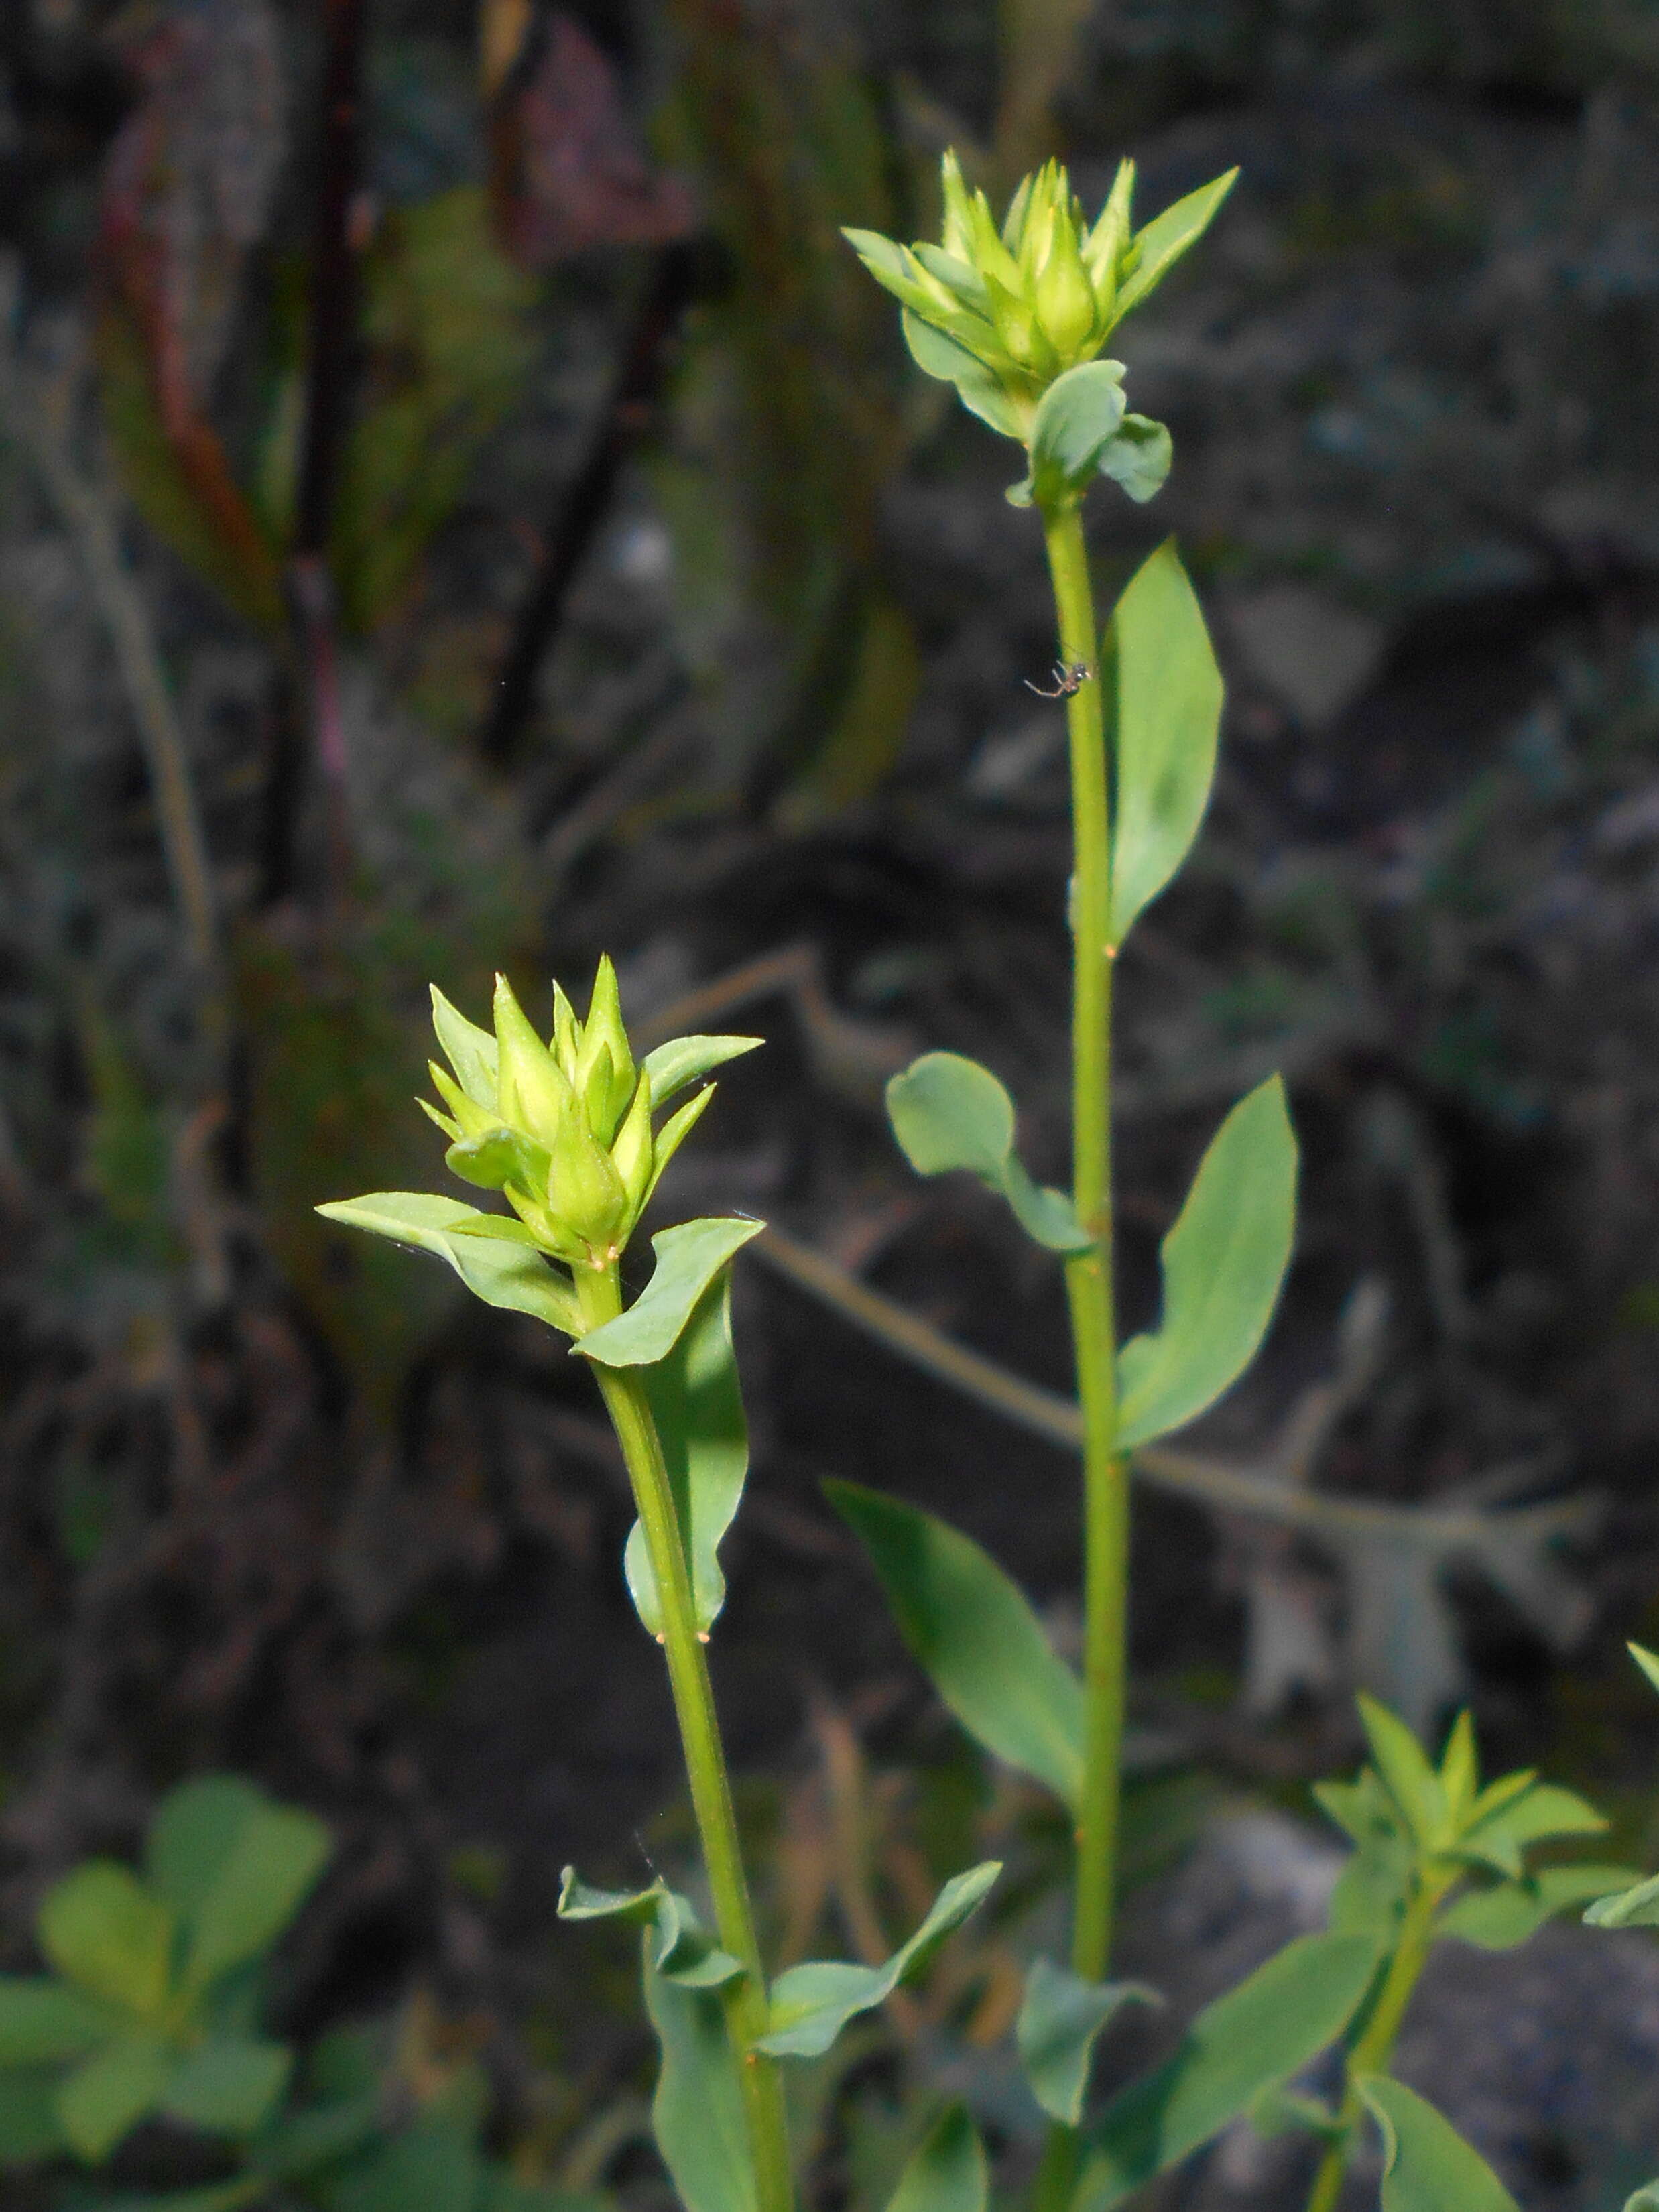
<point x="1028" y="300"/>
<point x="563" y="1130"/>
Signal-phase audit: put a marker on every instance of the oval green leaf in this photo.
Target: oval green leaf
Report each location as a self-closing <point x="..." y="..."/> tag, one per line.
<point x="1427" y="2166"/>
<point x="1060" y="2018"/>
<point x="811" y="2004"/>
<point x="696" y="2112"/>
<point x="687" y="1259"/>
<point x="696" y="1401"/>
<point x="975" y="1636"/>
<point x="498" y="1272"/>
<point x="103" y="2100"/>
<point x="1076" y="419"/>
<point x="107" y="1933"/>
<point x="1169" y="714"/>
<point x="1254" y="2038"/>
<point x="1224" y="1262"/>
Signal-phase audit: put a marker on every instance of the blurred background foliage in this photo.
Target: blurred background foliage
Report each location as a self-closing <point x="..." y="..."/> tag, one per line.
<point x="461" y="506"/>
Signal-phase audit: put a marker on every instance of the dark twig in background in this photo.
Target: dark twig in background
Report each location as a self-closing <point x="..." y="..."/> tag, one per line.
<point x="625" y="417"/>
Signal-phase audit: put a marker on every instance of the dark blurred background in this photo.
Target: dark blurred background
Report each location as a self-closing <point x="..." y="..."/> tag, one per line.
<point x="460" y="506"/>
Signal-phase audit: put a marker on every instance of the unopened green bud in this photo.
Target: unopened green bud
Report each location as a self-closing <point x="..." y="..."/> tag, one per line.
<point x="604" y="1065"/>
<point x="584" y="1192"/>
<point x="533" y="1093"/>
<point x="1065" y="300"/>
<point x="567" y="1034"/>
<point x="632" y="1154"/>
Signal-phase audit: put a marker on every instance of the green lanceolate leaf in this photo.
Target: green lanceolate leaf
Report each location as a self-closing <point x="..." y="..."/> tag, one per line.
<point x="1511" y="1912"/>
<point x="680" y="1949"/>
<point x="1138" y="459"/>
<point x="1254" y="2039"/>
<point x="1631" y="1908"/>
<point x="1163" y="241"/>
<point x="948" y="1112"/>
<point x="106" y="2097"/>
<point x="1647" y="1661"/>
<point x="687" y="1259"/>
<point x="687" y="1060"/>
<point x="696" y="1401"/>
<point x="1060" y="2020"/>
<point x="500" y="1272"/>
<point x="1169" y="712"/>
<point x="107" y="1933"/>
<point x="811" y="2004"/>
<point x="1076" y="418"/>
<point x="228" y="2087"/>
<point x="946" y="2171"/>
<point x="696" y="2113"/>
<point x="1535" y="1815"/>
<point x="1427" y="2166"/>
<point x="975" y="1636"/>
<point x="1224" y="1262"/>
<point x="979" y="388"/>
<point x="41" y="2020"/>
<point x="1408" y="1774"/>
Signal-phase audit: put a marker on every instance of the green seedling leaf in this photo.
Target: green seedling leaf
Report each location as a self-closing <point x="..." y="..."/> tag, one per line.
<point x="946" y="2171"/>
<point x="972" y="1633"/>
<point x="1649" y="1662"/>
<point x="687" y="1060"/>
<point x="1410" y="1780"/>
<point x="811" y="2004"/>
<point x="979" y="388"/>
<point x="1538" y="1813"/>
<point x="1631" y="1908"/>
<point x="696" y="1400"/>
<point x="29" y="2127"/>
<point x="435" y="2164"/>
<point x="948" y="1112"/>
<point x="319" y="2136"/>
<point x="193" y="1835"/>
<point x="1138" y="459"/>
<point x="1256" y="2037"/>
<point x="228" y="2088"/>
<point x="696" y="2112"/>
<point x="500" y="1272"/>
<point x="1060" y="2020"/>
<point x="1511" y="1912"/>
<point x="680" y="1947"/>
<point x="1169" y="711"/>
<point x="267" y="1870"/>
<point x="1076" y="418"/>
<point x="42" y="2020"/>
<point x="110" y="1936"/>
<point x="1426" y="2165"/>
<point x="687" y="1259"/>
<point x="102" y="2099"/>
<point x="1161" y="243"/>
<point x="1223" y="1262"/>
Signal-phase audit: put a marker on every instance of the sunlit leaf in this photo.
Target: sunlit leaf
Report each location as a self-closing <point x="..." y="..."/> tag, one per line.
<point x="687" y="1259"/>
<point x="975" y="1636"/>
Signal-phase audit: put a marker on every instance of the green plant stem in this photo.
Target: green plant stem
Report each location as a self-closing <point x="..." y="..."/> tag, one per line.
<point x="1089" y="1294"/>
<point x="744" y="1998"/>
<point x="1374" y="2047"/>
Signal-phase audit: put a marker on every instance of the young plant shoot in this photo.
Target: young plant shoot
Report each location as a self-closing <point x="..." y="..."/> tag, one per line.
<point x="565" y="1131"/>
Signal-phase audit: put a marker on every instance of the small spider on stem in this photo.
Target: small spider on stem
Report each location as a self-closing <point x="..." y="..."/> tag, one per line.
<point x="1068" y="677"/>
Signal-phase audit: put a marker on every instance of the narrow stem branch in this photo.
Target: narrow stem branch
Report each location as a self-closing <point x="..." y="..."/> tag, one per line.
<point x="744" y="1998"/>
<point x="1089" y="1287"/>
<point x="1374" y="2047"/>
